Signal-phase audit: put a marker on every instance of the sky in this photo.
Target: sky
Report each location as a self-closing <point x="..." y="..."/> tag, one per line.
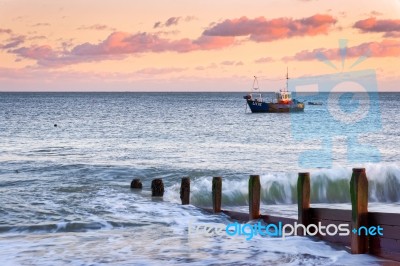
<point x="186" y="45"/>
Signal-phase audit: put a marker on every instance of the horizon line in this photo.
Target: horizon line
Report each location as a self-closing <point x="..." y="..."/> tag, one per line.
<point x="62" y="91"/>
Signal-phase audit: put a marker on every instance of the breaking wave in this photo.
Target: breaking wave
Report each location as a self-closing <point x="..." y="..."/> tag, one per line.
<point x="327" y="186"/>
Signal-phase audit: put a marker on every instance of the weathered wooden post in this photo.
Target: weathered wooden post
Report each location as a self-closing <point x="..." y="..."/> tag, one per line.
<point x="217" y="193"/>
<point x="185" y="190"/>
<point x="359" y="208"/>
<point x="303" y="200"/>
<point x="254" y="197"/>
<point x="136" y="184"/>
<point x="157" y="187"/>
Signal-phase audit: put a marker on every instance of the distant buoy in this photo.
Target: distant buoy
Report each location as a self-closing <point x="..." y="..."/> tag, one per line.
<point x="55" y="125"/>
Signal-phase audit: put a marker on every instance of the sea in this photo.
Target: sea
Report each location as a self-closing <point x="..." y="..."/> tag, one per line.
<point x="67" y="161"/>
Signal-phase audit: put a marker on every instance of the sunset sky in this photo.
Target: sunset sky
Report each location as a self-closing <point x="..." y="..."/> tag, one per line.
<point x="185" y="45"/>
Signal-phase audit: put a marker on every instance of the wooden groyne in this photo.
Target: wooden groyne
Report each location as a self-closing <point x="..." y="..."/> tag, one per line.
<point x="376" y="233"/>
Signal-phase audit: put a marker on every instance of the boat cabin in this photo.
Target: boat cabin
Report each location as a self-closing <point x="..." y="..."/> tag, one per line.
<point x="254" y="97"/>
<point x="284" y="97"/>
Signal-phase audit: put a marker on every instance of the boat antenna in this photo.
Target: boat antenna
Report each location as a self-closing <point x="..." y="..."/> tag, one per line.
<point x="287" y="78"/>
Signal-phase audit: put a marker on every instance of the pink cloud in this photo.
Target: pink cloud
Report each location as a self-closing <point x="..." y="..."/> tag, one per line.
<point x="36" y="52"/>
<point x="117" y="46"/>
<point x="392" y="34"/>
<point x="125" y="43"/>
<point x="385" y="48"/>
<point x="262" y="30"/>
<point x="374" y="25"/>
<point x="212" y="42"/>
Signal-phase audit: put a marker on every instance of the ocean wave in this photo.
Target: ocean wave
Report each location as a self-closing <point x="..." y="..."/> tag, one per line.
<point x="327" y="186"/>
<point x="66" y="227"/>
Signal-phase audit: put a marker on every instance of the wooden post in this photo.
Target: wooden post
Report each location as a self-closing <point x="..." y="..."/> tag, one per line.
<point x="157" y="187"/>
<point x="359" y="208"/>
<point x="303" y="200"/>
<point x="217" y="193"/>
<point x="254" y="197"/>
<point x="136" y="184"/>
<point x="185" y="190"/>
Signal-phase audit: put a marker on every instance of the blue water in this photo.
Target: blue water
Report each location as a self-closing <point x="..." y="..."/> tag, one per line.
<point x="64" y="190"/>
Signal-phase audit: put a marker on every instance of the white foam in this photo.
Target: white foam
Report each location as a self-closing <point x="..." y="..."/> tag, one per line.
<point x="280" y="188"/>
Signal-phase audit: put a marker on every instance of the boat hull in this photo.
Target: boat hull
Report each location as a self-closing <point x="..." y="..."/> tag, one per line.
<point x="264" y="107"/>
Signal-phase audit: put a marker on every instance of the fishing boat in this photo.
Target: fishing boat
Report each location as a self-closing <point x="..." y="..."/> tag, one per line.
<point x="283" y="102"/>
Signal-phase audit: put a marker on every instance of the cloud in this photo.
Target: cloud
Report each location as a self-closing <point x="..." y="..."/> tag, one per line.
<point x="169" y="22"/>
<point x="96" y="27"/>
<point x="46" y="56"/>
<point x="385" y="48"/>
<point x="66" y="44"/>
<point x="125" y="43"/>
<point x="13" y="42"/>
<point x="262" y="30"/>
<point x="36" y="52"/>
<point x="190" y="18"/>
<point x="374" y="25"/>
<point x="118" y="45"/>
<point x="376" y="13"/>
<point x="7" y="31"/>
<point x="169" y="32"/>
<point x="263" y="60"/>
<point x="40" y="25"/>
<point x="228" y="63"/>
<point x="210" y="66"/>
<point x="157" y="24"/>
<point x="392" y="34"/>
<point x="19" y="18"/>
<point x="232" y="63"/>
<point x="173" y="21"/>
<point x="38" y="37"/>
<point x="159" y="71"/>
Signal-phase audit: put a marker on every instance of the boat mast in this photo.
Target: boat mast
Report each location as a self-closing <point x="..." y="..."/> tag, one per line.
<point x="287" y="78"/>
